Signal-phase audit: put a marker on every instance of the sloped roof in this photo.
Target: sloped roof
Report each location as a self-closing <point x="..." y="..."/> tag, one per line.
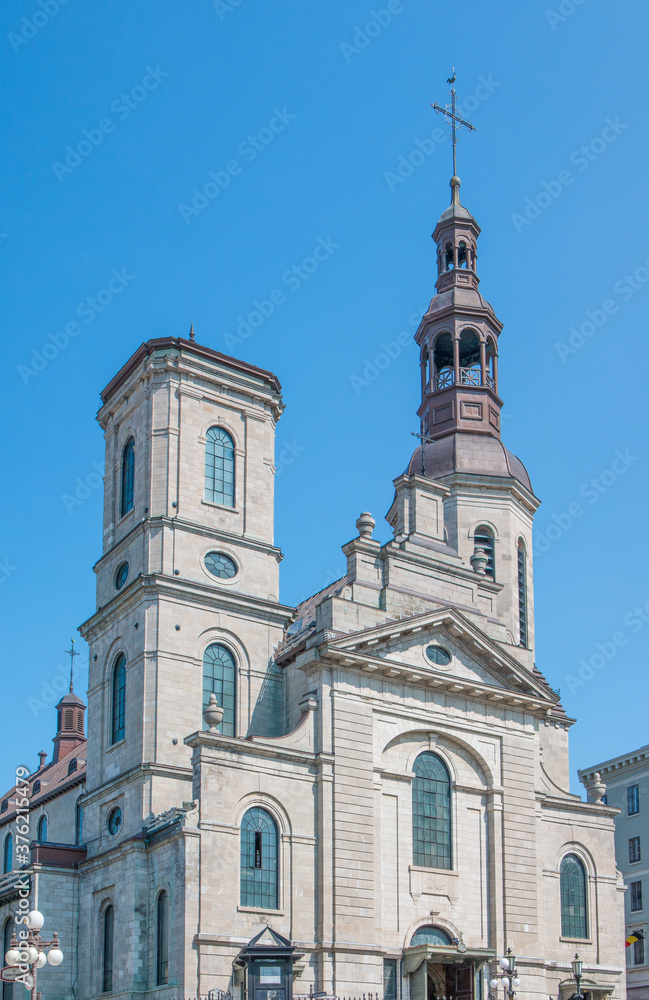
<point x="305" y="616"/>
<point x="54" y="779"/>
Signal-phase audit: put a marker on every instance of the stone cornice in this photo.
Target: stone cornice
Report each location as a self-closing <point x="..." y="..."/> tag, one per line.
<point x="636" y="761"/>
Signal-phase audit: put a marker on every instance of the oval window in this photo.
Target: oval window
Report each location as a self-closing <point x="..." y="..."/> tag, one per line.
<point x="114" y="820"/>
<point x="220" y="565"/>
<point x="438" y="655"/>
<point x="121" y="576"/>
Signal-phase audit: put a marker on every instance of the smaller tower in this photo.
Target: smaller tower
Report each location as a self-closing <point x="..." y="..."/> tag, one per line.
<point x="70" y="726"/>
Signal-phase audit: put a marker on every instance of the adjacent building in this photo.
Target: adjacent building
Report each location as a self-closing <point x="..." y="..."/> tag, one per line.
<point x="385" y="785"/>
<point x="623" y="782"/>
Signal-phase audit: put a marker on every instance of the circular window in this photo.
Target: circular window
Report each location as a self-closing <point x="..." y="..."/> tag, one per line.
<point x="438" y="655"/>
<point x="220" y="565"/>
<point x="114" y="820"/>
<point x="121" y="576"/>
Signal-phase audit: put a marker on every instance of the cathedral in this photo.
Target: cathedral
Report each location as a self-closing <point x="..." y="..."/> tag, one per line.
<point x="364" y="794"/>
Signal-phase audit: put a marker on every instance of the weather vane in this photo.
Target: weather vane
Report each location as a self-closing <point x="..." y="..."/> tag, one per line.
<point x="71" y="653"/>
<point x="451" y="114"/>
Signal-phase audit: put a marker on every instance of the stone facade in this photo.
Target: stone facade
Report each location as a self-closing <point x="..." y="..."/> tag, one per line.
<point x="624" y="782"/>
<point x="424" y="647"/>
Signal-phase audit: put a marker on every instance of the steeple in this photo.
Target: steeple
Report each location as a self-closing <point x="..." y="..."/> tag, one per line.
<point x="70" y="712"/>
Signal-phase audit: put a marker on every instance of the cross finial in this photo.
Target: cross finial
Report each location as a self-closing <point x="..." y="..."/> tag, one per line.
<point x="191" y="333"/>
<point x="455" y="120"/>
<point x="423" y="439"/>
<point x="71" y="653"/>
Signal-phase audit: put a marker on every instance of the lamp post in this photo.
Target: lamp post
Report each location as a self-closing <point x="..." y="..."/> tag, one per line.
<point x="577" y="968"/>
<point x="507" y="977"/>
<point x="29" y="951"/>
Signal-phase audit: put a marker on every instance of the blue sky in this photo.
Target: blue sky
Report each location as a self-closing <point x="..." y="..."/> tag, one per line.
<point x="298" y="115"/>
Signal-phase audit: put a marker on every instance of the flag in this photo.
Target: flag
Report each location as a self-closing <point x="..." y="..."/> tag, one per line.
<point x="633" y="937"/>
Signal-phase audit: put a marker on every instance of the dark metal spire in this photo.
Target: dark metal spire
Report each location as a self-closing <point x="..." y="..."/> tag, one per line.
<point x="450" y="112"/>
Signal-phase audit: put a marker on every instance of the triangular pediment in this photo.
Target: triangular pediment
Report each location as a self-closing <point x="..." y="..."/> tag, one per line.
<point x="417" y="648"/>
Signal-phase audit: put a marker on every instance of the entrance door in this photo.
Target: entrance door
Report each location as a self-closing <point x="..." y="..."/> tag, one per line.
<point x="459" y="981"/>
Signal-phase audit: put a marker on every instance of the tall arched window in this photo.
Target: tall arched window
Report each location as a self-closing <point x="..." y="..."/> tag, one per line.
<point x="259" y="869"/>
<point x="219" y="467"/>
<point x="107" y="950"/>
<point x="78" y="825"/>
<point x="470" y="368"/>
<point x="7" y="988"/>
<point x="522" y="594"/>
<point x="41" y="834"/>
<point x="483" y="538"/>
<point x="8" y="854"/>
<point x="443" y="361"/>
<point x="431" y="812"/>
<point x="162" y="940"/>
<point x="219" y="678"/>
<point x="574" y="915"/>
<point x="128" y="476"/>
<point x="119" y="699"/>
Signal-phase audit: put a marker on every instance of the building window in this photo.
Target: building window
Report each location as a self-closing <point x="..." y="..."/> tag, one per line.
<point x="483" y="538"/>
<point x="574" y="918"/>
<point x="259" y="869"/>
<point x="162" y="940"/>
<point x="7" y="988"/>
<point x="522" y="594"/>
<point x="72" y="766"/>
<point x="107" y="957"/>
<point x="128" y="476"/>
<point x="638" y="949"/>
<point x="389" y="979"/>
<point x="219" y="678"/>
<point x="36" y="787"/>
<point x="636" y="896"/>
<point x="119" y="699"/>
<point x="633" y="800"/>
<point x="219" y="467"/>
<point x="8" y="854"/>
<point x="4" y="806"/>
<point x="634" y="850"/>
<point x="41" y="835"/>
<point x="431" y="812"/>
<point x="78" y="825"/>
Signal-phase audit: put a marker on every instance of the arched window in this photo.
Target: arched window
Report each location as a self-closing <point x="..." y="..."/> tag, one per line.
<point x="72" y="766"/>
<point x="119" y="699"/>
<point x="219" y="467"/>
<point x="162" y="940"/>
<point x="448" y="257"/>
<point x="429" y="935"/>
<point x="492" y="354"/>
<point x="470" y="367"/>
<point x="574" y="916"/>
<point x="4" y="806"/>
<point x="522" y="594"/>
<point x="107" y="950"/>
<point x="259" y="869"/>
<point x="36" y="787"/>
<point x="431" y="812"/>
<point x="7" y="988"/>
<point x="219" y="678"/>
<point x="462" y="260"/>
<point x="128" y="476"/>
<point x="8" y="854"/>
<point x="78" y="825"/>
<point x="443" y="360"/>
<point x="483" y="540"/>
<point x="41" y="835"/>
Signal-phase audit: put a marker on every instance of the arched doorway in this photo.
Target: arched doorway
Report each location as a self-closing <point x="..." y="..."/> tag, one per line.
<point x="439" y="966"/>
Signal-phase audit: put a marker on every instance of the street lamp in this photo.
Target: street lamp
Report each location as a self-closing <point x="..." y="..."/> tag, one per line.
<point x="30" y="950"/>
<point x="507" y="976"/>
<point x="577" y="968"/>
